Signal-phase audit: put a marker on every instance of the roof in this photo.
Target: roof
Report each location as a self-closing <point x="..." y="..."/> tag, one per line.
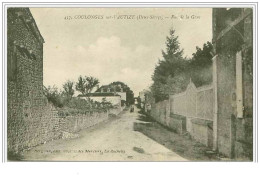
<point x="112" y="87"/>
<point x="99" y="95"/>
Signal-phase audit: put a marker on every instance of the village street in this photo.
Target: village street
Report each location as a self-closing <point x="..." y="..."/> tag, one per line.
<point x="113" y="140"/>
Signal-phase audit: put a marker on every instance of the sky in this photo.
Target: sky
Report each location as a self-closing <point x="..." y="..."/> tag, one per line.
<point x="107" y="44"/>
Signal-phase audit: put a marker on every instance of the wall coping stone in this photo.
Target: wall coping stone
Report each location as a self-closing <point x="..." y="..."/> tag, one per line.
<point x="202" y="122"/>
<point x="176" y="116"/>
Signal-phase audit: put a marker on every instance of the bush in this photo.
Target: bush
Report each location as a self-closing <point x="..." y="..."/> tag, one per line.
<point x="54" y="96"/>
<point x="71" y="106"/>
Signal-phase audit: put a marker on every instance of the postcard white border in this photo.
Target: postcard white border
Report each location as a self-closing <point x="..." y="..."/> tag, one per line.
<point x="133" y="174"/>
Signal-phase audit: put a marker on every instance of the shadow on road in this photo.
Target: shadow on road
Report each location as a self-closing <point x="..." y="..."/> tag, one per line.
<point x="138" y="150"/>
<point x="143" y="117"/>
<point x="180" y="144"/>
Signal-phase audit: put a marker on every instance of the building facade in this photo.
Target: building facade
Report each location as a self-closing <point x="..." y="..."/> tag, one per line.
<point x="219" y="115"/>
<point x="113" y="90"/>
<point x="233" y="81"/>
<point x="30" y="119"/>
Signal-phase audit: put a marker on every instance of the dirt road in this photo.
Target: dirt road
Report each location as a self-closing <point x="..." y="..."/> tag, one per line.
<point x="113" y="140"/>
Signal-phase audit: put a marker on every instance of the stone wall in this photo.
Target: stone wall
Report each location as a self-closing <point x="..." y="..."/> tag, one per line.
<point x="29" y="114"/>
<point x="178" y="123"/>
<point x="77" y="122"/>
<point x="226" y="104"/>
<point x="160" y="112"/>
<point x="235" y="132"/>
<point x="46" y="123"/>
<point x="199" y="129"/>
<point x="202" y="131"/>
<point x="191" y="111"/>
<point x="31" y="120"/>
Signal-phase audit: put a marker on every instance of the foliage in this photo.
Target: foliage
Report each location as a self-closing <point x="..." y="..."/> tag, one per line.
<point x="53" y="96"/>
<point x="172" y="47"/>
<point x="200" y="68"/>
<point x="74" y="105"/>
<point x="173" y="72"/>
<point x="80" y="85"/>
<point x="59" y="99"/>
<point x="149" y="97"/>
<point x="68" y="90"/>
<point x="87" y="84"/>
<point x="68" y="104"/>
<point x="175" y="84"/>
<point x="129" y="93"/>
<point x="118" y="87"/>
<point x="86" y="105"/>
<point x="169" y="70"/>
<point x="106" y="104"/>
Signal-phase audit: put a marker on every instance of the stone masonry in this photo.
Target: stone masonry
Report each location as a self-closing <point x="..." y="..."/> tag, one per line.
<point x="232" y="36"/>
<point x="31" y="120"/>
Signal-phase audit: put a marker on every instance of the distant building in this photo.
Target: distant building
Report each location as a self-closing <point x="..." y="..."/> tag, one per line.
<point x="112" y="90"/>
<point x="142" y="95"/>
<point x="114" y="99"/>
<point x="146" y="99"/>
<point x="233" y="80"/>
<point x="142" y="98"/>
<point x="122" y="95"/>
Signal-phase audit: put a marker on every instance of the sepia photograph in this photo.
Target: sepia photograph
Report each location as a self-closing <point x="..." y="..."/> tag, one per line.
<point x="130" y="84"/>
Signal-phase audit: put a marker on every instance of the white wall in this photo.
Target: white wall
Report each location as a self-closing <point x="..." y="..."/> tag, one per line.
<point x="122" y="94"/>
<point x="113" y="99"/>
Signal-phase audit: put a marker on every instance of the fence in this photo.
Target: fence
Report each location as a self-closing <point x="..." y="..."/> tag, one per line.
<point x="191" y="111"/>
<point x="194" y="102"/>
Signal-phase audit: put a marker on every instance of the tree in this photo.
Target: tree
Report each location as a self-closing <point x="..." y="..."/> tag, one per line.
<point x="129" y="93"/>
<point x="91" y="83"/>
<point x="169" y="70"/>
<point x="53" y="95"/>
<point x="86" y="85"/>
<point x="80" y="85"/>
<point x="68" y="90"/>
<point x="200" y="67"/>
<point x="172" y="47"/>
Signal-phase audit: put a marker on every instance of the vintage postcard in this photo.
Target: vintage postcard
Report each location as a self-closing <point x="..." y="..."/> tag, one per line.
<point x="129" y="83"/>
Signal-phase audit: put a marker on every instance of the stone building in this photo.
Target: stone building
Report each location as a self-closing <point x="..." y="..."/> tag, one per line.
<point x="145" y="100"/>
<point x="233" y="81"/>
<point x="142" y="98"/>
<point x="31" y="120"/>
